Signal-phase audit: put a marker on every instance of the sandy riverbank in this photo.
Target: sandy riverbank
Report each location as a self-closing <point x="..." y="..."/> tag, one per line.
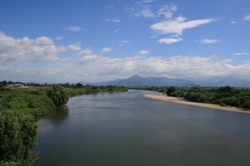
<point x="181" y="101"/>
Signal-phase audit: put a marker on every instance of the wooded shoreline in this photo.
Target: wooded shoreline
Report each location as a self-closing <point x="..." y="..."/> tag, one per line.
<point x="205" y="105"/>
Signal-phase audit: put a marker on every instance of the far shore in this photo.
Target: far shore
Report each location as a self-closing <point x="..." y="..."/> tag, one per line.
<point x="205" y="105"/>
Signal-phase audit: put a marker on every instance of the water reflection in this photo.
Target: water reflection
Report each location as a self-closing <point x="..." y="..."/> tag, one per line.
<point x="56" y="117"/>
<point x="52" y="120"/>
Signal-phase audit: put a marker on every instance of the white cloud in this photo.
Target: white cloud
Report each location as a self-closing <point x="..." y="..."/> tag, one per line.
<point x="209" y="41"/>
<point x="173" y="67"/>
<point x="26" y="49"/>
<point x="247" y="17"/>
<point x="143" y="52"/>
<point x="116" y="30"/>
<point x="143" y="9"/>
<point x="178" y="25"/>
<point x="113" y="20"/>
<point x="59" y="37"/>
<point x="147" y="13"/>
<point x="167" y="11"/>
<point x="75" y="46"/>
<point x="44" y="40"/>
<point x="169" y="40"/>
<point x="73" y="28"/>
<point x="106" y="49"/>
<point x="17" y="57"/>
<point x="86" y="52"/>
<point x="241" y="53"/>
<point x="175" y="27"/>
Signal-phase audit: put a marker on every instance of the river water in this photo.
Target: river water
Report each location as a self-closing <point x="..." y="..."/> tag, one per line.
<point x="127" y="129"/>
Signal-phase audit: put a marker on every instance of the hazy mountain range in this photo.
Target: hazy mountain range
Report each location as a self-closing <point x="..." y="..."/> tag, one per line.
<point x="163" y="81"/>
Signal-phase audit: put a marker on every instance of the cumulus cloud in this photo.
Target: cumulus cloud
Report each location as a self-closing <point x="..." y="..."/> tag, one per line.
<point x="106" y="49"/>
<point x="75" y="46"/>
<point x="241" y="53"/>
<point x="44" y="40"/>
<point x="87" y="65"/>
<point x="247" y="17"/>
<point x="209" y="41"/>
<point x="26" y="49"/>
<point x="86" y="52"/>
<point x="90" y="67"/>
<point x="73" y="28"/>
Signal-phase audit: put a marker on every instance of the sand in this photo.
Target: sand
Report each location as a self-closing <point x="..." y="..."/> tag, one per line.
<point x="205" y="105"/>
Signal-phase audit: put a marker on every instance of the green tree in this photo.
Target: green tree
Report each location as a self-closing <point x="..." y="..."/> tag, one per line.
<point x="18" y="135"/>
<point x="171" y="90"/>
<point x="78" y="85"/>
<point x="58" y="95"/>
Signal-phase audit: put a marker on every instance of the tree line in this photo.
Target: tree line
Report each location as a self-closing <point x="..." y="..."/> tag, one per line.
<point x="225" y="96"/>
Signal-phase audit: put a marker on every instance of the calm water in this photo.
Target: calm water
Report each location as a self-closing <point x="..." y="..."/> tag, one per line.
<point x="126" y="129"/>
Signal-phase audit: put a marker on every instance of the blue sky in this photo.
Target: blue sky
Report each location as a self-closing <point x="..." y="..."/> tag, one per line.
<point x="99" y="40"/>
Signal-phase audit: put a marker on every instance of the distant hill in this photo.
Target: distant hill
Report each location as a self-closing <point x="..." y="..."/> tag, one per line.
<point x="149" y="81"/>
<point x="163" y="81"/>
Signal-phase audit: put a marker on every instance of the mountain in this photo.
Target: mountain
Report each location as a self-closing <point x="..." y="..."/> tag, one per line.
<point x="148" y="81"/>
<point x="163" y="81"/>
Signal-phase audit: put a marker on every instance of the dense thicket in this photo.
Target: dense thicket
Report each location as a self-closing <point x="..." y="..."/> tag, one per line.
<point x="225" y="96"/>
<point x="18" y="135"/>
<point x="58" y="95"/>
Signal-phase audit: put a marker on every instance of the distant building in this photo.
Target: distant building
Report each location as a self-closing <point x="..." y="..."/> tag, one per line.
<point x="16" y="86"/>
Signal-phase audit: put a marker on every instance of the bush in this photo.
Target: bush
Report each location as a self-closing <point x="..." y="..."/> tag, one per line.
<point x="58" y="95"/>
<point x="18" y="135"/>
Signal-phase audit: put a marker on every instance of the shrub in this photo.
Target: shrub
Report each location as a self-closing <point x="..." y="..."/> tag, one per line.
<point x="58" y="95"/>
<point x="18" y="135"/>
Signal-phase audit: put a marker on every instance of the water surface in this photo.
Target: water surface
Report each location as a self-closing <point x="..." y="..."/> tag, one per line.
<point x="127" y="129"/>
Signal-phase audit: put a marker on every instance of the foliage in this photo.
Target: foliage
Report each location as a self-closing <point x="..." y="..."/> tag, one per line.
<point x="94" y="89"/>
<point x="26" y="101"/>
<point x="58" y="95"/>
<point x="18" y="135"/>
<point x="171" y="90"/>
<point x="225" y="96"/>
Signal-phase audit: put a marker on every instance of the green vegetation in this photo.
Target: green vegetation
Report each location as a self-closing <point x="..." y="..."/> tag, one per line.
<point x="19" y="106"/>
<point x="58" y="95"/>
<point x="18" y="135"/>
<point x="225" y="96"/>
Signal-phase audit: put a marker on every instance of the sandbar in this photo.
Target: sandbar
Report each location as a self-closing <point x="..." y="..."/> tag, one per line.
<point x="205" y="105"/>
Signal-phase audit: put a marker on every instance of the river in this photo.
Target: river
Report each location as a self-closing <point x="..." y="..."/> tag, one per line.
<point x="127" y="129"/>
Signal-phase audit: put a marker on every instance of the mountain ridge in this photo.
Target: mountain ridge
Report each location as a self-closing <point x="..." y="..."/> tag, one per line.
<point x="137" y="80"/>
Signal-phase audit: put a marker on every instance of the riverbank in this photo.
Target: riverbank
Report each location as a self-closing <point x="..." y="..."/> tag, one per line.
<point x="205" y="105"/>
